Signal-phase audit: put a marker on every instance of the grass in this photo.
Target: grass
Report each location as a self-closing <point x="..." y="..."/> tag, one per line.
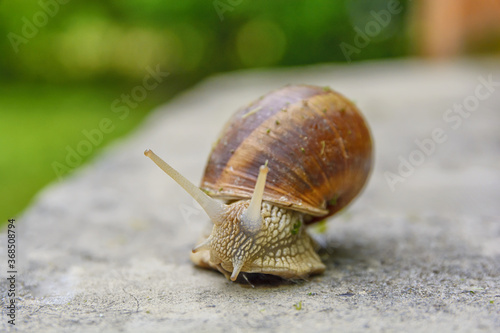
<point x="39" y="122"/>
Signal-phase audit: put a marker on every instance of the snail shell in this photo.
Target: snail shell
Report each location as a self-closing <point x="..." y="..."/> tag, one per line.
<point x="315" y="140"/>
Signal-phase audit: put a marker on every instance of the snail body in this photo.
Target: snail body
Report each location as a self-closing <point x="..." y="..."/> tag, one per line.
<point x="319" y="151"/>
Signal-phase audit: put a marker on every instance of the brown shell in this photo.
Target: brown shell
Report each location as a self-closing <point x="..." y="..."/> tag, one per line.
<point x="316" y="142"/>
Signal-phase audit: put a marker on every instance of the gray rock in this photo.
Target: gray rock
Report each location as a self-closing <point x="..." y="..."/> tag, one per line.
<point x="107" y="249"/>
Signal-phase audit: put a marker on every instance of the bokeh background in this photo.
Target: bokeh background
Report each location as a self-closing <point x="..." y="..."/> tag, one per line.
<point x="64" y="63"/>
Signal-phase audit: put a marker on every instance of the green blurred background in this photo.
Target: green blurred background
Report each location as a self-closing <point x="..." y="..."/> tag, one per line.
<point x="63" y="65"/>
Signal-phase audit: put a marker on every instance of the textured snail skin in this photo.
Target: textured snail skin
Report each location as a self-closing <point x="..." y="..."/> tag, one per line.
<point x="282" y="247"/>
<point x="319" y="151"/>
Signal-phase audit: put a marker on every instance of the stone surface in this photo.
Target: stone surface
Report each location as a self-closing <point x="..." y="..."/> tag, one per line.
<point x="107" y="249"/>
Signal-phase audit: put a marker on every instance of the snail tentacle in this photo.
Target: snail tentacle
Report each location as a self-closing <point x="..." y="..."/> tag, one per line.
<point x="251" y="219"/>
<point x="213" y="208"/>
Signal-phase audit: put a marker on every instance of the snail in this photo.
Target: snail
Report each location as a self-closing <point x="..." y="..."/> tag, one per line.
<point x="291" y="158"/>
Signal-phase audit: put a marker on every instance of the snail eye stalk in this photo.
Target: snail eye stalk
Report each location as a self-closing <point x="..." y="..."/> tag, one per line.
<point x="251" y="219"/>
<point x="213" y="208"/>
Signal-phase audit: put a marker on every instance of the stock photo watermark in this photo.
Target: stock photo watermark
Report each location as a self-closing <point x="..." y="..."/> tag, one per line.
<point x="11" y="272"/>
<point x="222" y="6"/>
<point x="380" y="20"/>
<point x="453" y="118"/>
<point x="31" y="27"/>
<point x="120" y="106"/>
